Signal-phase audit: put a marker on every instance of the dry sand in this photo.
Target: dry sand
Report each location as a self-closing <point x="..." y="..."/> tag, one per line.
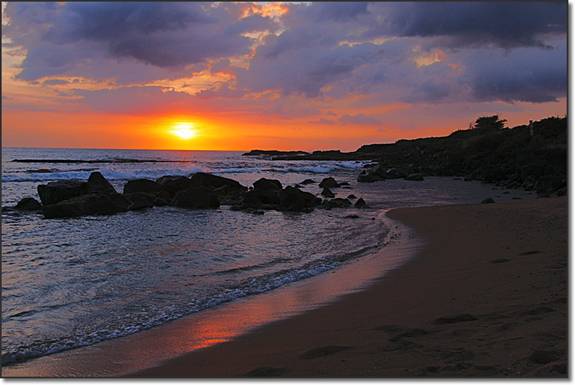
<point x="486" y="297"/>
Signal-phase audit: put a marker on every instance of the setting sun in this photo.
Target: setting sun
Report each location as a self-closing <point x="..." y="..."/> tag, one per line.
<point x="184" y="130"/>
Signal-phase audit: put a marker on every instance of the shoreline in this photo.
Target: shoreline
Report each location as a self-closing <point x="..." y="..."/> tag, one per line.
<point x="516" y="326"/>
<point x="224" y="322"/>
<point x="490" y="301"/>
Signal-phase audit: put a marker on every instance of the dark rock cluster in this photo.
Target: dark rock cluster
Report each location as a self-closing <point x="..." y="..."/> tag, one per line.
<point x="96" y="196"/>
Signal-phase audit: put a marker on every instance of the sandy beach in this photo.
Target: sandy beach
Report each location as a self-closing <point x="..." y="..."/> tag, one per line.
<point x="485" y="297"/>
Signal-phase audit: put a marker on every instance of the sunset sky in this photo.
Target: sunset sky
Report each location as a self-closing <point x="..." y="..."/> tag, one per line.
<point x="235" y="76"/>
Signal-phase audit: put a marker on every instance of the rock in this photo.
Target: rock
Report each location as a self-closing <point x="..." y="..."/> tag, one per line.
<point x="352" y="216"/>
<point x="196" y="198"/>
<point x="360" y="204"/>
<point x="142" y="186"/>
<point x="88" y="204"/>
<point x="336" y="203"/>
<point x="214" y="182"/>
<point x="261" y="199"/>
<point x="28" y="204"/>
<point x="140" y="201"/>
<point x="326" y="192"/>
<point x="414" y="177"/>
<point x="174" y="183"/>
<point x="54" y="192"/>
<point x="351" y="196"/>
<point x="162" y="199"/>
<point x="487" y="200"/>
<point x="293" y="199"/>
<point x="98" y="184"/>
<point x="308" y="181"/>
<point x="328" y="183"/>
<point x="267" y="184"/>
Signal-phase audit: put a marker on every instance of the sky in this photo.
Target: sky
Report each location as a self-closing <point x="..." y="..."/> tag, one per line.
<point x="305" y="76"/>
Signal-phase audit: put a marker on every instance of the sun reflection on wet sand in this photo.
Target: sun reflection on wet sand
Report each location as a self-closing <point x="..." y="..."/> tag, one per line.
<point x="220" y="324"/>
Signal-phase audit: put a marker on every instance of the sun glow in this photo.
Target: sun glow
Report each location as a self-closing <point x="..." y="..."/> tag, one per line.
<point x="184" y="130"/>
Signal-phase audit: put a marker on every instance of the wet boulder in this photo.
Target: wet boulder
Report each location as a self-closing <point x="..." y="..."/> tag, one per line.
<point x="264" y="184"/>
<point x="140" y="201"/>
<point x="28" y="204"/>
<point x="163" y="198"/>
<point x="98" y="184"/>
<point x="308" y="181"/>
<point x="142" y="186"/>
<point x="328" y="183"/>
<point x="174" y="183"/>
<point x="293" y="199"/>
<point x="203" y="179"/>
<point x="196" y="198"/>
<point x="336" y="203"/>
<point x="360" y="204"/>
<point x="54" y="192"/>
<point x="88" y="204"/>
<point x="326" y="192"/>
<point x="351" y="197"/>
<point x="488" y="200"/>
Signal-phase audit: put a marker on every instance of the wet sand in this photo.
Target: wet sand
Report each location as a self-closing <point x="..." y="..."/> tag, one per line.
<point x="485" y="297"/>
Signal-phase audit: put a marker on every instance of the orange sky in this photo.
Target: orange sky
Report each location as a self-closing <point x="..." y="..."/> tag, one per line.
<point x="245" y="100"/>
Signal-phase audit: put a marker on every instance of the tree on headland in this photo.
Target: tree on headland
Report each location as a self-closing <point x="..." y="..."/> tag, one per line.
<point x="489" y="123"/>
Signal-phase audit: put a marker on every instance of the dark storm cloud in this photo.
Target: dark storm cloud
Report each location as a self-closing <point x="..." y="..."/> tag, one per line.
<point x="519" y="76"/>
<point x="457" y="24"/>
<point x="61" y="37"/>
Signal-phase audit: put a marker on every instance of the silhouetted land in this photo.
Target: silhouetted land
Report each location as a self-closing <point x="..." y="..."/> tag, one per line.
<point x="533" y="157"/>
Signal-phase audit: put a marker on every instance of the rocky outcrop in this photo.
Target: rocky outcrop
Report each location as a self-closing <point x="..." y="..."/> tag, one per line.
<point x="140" y="200"/>
<point x="174" y="183"/>
<point x="88" y="204"/>
<point x="328" y="183"/>
<point x="293" y="199"/>
<point x="54" y="192"/>
<point x="196" y="198"/>
<point x="326" y="192"/>
<point x="264" y="184"/>
<point x="142" y="186"/>
<point x="336" y="203"/>
<point x="28" y="204"/>
<point x="71" y="199"/>
<point x="98" y="184"/>
<point x="360" y="204"/>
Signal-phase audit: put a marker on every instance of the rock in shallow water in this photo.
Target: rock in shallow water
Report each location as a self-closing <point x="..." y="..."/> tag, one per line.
<point x="196" y="198"/>
<point x="89" y="204"/>
<point x="28" y="204"/>
<point x="142" y="186"/>
<point x="328" y="183"/>
<point x="54" y="192"/>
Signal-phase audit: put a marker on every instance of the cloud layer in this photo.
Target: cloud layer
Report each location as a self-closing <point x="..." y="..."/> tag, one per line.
<point x="290" y="57"/>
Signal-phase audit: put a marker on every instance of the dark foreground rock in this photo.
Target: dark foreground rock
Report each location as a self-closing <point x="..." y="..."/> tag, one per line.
<point x="329" y="183"/>
<point x="196" y="198"/>
<point x="28" y="204"/>
<point x="72" y="199"/>
<point x="54" y="192"/>
<point x="142" y="186"/>
<point x="89" y="204"/>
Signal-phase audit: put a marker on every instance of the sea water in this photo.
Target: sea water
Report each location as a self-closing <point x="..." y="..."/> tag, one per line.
<point x="73" y="282"/>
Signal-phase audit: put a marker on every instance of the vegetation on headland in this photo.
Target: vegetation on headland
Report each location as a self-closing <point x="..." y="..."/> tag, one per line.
<point x="531" y="156"/>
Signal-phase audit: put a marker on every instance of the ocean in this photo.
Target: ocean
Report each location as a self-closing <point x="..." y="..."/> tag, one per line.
<point x="74" y="282"/>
